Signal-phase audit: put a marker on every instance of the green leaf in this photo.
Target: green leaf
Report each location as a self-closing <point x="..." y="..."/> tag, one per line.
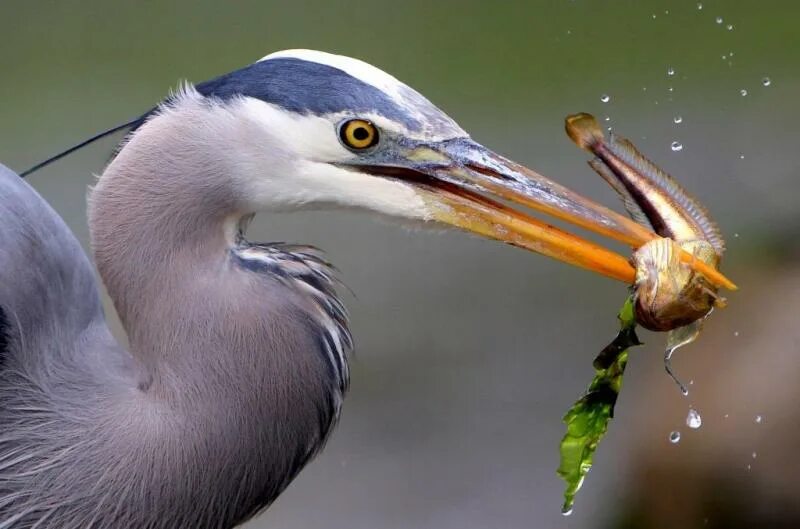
<point x="587" y="420"/>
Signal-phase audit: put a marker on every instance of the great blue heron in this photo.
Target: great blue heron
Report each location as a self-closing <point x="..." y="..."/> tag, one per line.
<point x="237" y="357"/>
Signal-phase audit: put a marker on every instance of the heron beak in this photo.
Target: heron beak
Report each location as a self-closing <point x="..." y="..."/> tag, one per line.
<point x="468" y="186"/>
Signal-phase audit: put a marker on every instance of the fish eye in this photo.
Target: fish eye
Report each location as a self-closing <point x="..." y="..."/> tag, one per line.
<point x="358" y="134"/>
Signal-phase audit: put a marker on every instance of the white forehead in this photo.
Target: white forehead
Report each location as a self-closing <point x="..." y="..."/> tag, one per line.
<point x="438" y="125"/>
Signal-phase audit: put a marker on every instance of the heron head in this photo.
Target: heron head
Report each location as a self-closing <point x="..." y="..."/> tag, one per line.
<point x="326" y="130"/>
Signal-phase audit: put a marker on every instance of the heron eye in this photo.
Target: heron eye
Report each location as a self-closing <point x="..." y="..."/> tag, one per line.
<point x="358" y="134"/>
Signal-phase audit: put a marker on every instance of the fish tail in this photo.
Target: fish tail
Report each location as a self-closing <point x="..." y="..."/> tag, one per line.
<point x="584" y="130"/>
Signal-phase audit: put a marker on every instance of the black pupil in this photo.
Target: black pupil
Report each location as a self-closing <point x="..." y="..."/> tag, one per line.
<point x="361" y="133"/>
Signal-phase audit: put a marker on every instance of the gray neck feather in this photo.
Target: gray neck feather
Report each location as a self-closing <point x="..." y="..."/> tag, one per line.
<point x="230" y="393"/>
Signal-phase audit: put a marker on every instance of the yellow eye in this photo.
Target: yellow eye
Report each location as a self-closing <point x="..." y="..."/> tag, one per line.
<point x="358" y="134"/>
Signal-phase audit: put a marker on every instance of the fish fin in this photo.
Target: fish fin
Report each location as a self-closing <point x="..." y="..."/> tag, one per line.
<point x="631" y="156"/>
<point x="630" y="204"/>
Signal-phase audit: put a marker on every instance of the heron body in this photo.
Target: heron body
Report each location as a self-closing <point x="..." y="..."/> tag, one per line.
<point x="162" y="434"/>
<point x="236" y="364"/>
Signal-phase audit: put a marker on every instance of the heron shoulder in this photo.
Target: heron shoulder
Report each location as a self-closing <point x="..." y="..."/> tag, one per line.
<point x="47" y="285"/>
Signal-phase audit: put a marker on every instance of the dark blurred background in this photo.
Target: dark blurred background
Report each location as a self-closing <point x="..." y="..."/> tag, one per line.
<point x="469" y="352"/>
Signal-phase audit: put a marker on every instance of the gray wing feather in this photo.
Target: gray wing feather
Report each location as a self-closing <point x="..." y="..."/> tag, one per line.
<point x="48" y="290"/>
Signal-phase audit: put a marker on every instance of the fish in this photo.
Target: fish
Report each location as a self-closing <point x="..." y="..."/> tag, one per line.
<point x="668" y="294"/>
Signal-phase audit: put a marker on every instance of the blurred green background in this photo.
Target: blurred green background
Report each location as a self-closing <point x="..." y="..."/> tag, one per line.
<point x="468" y="352"/>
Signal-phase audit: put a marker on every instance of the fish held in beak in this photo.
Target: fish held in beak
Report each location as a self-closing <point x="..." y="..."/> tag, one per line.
<point x="668" y="292"/>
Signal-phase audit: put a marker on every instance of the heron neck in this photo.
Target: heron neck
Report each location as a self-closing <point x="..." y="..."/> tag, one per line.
<point x="154" y="231"/>
<point x="250" y="400"/>
<point x="163" y="217"/>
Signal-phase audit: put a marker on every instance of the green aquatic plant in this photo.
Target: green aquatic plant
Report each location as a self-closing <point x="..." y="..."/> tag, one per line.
<point x="587" y="420"/>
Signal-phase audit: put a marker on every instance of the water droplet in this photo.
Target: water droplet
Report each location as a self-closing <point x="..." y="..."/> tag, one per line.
<point x="670" y="71"/>
<point x="676" y="146"/>
<point x="736" y="334"/>
<point x="699" y="6"/>
<point x="693" y="419"/>
<point x="567" y="511"/>
<point x="670" y="89"/>
<point x="759" y="419"/>
<point x="741" y="156"/>
<point x="674" y="437"/>
<point x="724" y="57"/>
<point x="755" y="455"/>
<point x="691" y="382"/>
<point x="654" y="15"/>
<point x="749" y="467"/>
<point x="729" y="27"/>
<point x="719" y="20"/>
<point x="743" y="92"/>
<point x="677" y="119"/>
<point x="766" y="81"/>
<point x="726" y="416"/>
<point x="605" y="98"/>
<point x="607" y="118"/>
<point x="736" y="235"/>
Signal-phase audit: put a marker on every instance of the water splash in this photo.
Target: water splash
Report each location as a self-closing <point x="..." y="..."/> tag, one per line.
<point x="566" y="512"/>
<point x="759" y="419"/>
<point x="676" y="339"/>
<point x="676" y="146"/>
<point x="677" y="119"/>
<point x="605" y="98"/>
<point x="729" y="27"/>
<point x="670" y="71"/>
<point x="719" y="20"/>
<point x="675" y="437"/>
<point x="671" y="373"/>
<point x="693" y="419"/>
<point x="743" y="92"/>
<point x="766" y="81"/>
